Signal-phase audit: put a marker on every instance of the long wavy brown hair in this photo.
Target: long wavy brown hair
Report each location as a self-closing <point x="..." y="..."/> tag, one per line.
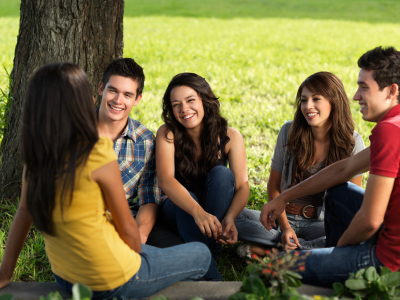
<point x="214" y="128"/>
<point x="58" y="133"/>
<point x="301" y="140"/>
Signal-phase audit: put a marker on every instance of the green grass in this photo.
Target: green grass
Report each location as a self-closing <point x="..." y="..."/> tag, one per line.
<point x="254" y="54"/>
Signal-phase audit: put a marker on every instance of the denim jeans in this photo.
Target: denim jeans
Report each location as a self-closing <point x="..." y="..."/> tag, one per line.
<point x="218" y="194"/>
<point x="159" y="269"/>
<point x="252" y="231"/>
<point x="326" y="266"/>
<point x="341" y="204"/>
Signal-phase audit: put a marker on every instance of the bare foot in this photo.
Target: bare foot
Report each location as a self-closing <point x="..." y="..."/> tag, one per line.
<point x="257" y="250"/>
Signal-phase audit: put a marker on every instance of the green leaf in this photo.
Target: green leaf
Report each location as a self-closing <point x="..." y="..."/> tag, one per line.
<point x="356" y="284"/>
<point x="360" y="274"/>
<point x="374" y="296"/>
<point x="236" y="296"/>
<point x="293" y="282"/>
<point x="391" y="279"/>
<point x="385" y="270"/>
<point x="371" y="274"/>
<point x="338" y="288"/>
<point x="54" y="296"/>
<point x="81" y="291"/>
<point x="396" y="293"/>
<point x="253" y="297"/>
<point x="6" y="297"/>
<point x="293" y="274"/>
<point x="257" y="286"/>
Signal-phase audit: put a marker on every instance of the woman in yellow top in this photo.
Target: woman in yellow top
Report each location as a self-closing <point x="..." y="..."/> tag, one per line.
<point x="70" y="181"/>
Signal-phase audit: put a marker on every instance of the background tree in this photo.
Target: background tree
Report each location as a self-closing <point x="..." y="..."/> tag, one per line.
<point x="86" y="32"/>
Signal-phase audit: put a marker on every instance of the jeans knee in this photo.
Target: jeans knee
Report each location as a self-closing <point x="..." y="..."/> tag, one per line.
<point x="223" y="175"/>
<point x="203" y="254"/>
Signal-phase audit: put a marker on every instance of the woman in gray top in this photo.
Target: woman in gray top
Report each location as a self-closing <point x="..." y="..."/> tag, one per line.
<point x="321" y="133"/>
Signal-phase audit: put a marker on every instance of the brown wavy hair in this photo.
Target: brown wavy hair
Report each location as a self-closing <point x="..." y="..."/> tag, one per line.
<point x="214" y="128"/>
<point x="301" y="141"/>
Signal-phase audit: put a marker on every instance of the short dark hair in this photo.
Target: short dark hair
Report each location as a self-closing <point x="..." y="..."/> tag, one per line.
<point x="385" y="64"/>
<point x="126" y="67"/>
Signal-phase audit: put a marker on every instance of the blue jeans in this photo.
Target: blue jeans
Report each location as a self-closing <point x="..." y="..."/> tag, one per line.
<point x="218" y="194"/>
<point x="159" y="269"/>
<point x="326" y="266"/>
<point x="252" y="231"/>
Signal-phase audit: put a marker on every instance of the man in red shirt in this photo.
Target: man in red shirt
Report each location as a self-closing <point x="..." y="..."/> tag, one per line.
<point x="354" y="217"/>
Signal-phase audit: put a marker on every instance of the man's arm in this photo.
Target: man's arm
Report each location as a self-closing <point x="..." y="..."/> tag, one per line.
<point x="146" y="218"/>
<point x="372" y="211"/>
<point x="337" y="173"/>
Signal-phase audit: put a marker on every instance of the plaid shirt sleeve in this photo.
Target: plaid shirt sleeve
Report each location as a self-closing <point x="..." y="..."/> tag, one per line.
<point x="148" y="190"/>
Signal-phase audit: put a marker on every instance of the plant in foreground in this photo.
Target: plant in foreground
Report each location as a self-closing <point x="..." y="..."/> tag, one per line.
<point x="368" y="284"/>
<point x="272" y="277"/>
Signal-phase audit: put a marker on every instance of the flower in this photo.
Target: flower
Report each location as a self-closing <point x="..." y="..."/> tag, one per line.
<point x="267" y="251"/>
<point x="264" y="271"/>
<point x="302" y="268"/>
<point x="297" y="253"/>
<point x="269" y="264"/>
<point x="254" y="256"/>
<point x="268" y="271"/>
<point x="274" y="273"/>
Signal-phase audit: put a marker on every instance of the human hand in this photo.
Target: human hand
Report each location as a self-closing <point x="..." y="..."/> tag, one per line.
<point x="287" y="244"/>
<point x="208" y="224"/>
<point x="271" y="210"/>
<point x="229" y="232"/>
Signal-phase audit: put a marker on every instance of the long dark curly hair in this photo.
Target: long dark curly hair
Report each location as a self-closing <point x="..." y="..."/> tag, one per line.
<point x="214" y="128"/>
<point x="58" y="133"/>
<point x="301" y="141"/>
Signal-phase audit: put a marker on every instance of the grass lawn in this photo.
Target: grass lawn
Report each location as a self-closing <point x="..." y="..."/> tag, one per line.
<point x="253" y="53"/>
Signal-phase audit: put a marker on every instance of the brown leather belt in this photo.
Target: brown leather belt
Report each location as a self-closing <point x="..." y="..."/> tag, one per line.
<point x="307" y="211"/>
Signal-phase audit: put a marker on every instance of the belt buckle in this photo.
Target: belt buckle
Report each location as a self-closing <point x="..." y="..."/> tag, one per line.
<point x="304" y="211"/>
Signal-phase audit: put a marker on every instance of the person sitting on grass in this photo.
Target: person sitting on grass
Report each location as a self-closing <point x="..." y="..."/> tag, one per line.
<point x="203" y="197"/>
<point x="321" y="133"/>
<point x="353" y="222"/>
<point x="121" y="90"/>
<point x="70" y="181"/>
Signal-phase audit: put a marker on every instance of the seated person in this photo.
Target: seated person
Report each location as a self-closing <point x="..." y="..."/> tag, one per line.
<point x="70" y="180"/>
<point x="321" y="133"/>
<point x="354" y="217"/>
<point x="121" y="89"/>
<point x="193" y="148"/>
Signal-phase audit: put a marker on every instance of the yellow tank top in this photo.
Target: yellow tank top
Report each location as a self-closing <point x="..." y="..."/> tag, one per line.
<point x="86" y="247"/>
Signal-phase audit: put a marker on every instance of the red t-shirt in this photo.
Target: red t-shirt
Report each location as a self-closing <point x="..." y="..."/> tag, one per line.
<point x="385" y="161"/>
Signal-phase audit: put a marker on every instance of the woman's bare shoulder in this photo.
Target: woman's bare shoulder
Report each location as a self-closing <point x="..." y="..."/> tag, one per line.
<point x="162" y="130"/>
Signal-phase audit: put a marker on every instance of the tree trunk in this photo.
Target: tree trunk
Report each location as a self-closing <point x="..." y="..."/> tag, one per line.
<point x="86" y="32"/>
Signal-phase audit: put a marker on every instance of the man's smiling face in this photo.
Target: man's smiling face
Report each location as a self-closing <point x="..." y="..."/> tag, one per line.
<point x="118" y="97"/>
<point x="373" y="101"/>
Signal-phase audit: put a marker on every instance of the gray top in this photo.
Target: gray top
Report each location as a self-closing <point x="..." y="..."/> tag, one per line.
<point x="282" y="161"/>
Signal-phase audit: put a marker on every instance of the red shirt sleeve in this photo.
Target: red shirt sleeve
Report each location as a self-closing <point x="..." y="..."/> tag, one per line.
<point x="385" y="150"/>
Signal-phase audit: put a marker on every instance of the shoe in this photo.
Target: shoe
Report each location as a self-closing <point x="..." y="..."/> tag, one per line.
<point x="243" y="250"/>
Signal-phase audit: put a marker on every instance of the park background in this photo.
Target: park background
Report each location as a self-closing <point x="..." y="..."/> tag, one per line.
<point x="254" y="54"/>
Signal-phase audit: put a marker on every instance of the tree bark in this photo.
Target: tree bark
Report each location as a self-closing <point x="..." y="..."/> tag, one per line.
<point x="86" y="32"/>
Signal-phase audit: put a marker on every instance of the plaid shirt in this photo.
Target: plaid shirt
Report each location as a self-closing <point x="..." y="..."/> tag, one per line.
<point x="135" y="152"/>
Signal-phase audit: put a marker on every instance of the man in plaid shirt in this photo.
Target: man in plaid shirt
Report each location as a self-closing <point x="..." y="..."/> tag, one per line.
<point x="121" y="89"/>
